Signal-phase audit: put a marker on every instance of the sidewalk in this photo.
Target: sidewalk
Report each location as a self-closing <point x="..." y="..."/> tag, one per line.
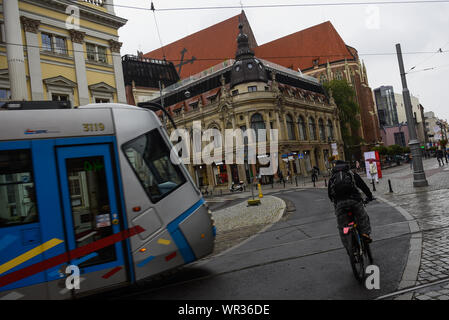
<point x="426" y="209"/>
<point x="239" y="222"/>
<point x="429" y="208"/>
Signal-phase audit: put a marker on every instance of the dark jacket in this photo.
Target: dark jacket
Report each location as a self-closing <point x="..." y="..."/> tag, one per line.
<point x="440" y="154"/>
<point x="355" y="195"/>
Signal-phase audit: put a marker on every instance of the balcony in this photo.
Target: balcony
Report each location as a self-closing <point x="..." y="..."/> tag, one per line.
<point x="99" y="3"/>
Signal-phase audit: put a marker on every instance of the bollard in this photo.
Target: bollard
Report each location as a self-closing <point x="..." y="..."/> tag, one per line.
<point x="260" y="190"/>
<point x="374" y="186"/>
<point x="284" y="183"/>
<point x="325" y="182"/>
<point x="296" y="180"/>
<point x="389" y="184"/>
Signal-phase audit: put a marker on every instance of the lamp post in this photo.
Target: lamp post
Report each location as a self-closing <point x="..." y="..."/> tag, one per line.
<point x="443" y="137"/>
<point x="419" y="176"/>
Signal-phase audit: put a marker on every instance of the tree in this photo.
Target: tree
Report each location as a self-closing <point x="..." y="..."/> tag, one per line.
<point x="395" y="150"/>
<point x="383" y="150"/>
<point x="348" y="111"/>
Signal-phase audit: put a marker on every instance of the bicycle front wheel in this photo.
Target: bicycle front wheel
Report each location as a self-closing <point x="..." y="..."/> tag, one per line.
<point x="355" y="257"/>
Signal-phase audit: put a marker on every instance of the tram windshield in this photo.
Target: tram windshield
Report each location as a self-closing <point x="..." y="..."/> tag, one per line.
<point x="149" y="156"/>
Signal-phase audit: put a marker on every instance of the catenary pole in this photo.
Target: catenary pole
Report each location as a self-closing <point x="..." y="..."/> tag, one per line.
<point x="419" y="176"/>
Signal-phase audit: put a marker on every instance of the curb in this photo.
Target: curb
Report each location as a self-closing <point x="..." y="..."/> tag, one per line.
<point x="282" y="211"/>
<point x="410" y="274"/>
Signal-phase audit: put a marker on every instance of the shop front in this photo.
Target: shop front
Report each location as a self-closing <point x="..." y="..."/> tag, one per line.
<point x="201" y="175"/>
<point x="220" y="174"/>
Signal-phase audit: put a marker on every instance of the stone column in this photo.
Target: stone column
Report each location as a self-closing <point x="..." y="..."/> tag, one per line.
<point x="210" y="176"/>
<point x="109" y="4"/>
<point x="229" y="173"/>
<point x="242" y="172"/>
<point x="80" y="66"/>
<point x="279" y="127"/>
<point x="14" y="52"/>
<point x="31" y="28"/>
<point x="118" y="70"/>
<point x="284" y="124"/>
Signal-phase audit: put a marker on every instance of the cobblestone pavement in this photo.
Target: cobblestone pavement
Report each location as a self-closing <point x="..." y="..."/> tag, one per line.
<point x="239" y="222"/>
<point x="429" y="206"/>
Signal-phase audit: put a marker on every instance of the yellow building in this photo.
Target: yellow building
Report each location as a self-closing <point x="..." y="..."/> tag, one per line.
<point x="60" y="50"/>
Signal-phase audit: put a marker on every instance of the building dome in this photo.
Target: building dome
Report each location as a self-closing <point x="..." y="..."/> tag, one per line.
<point x="246" y="67"/>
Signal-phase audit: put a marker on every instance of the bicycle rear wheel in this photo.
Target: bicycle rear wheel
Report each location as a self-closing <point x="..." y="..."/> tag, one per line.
<point x="367" y="251"/>
<point x="356" y="259"/>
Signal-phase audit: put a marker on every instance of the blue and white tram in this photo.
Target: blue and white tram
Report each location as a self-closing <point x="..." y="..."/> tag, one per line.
<point x="92" y="187"/>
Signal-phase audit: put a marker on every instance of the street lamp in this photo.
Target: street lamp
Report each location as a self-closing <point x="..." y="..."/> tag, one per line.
<point x="419" y="176"/>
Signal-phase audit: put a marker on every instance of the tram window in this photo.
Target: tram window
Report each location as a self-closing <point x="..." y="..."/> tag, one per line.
<point x="17" y="194"/>
<point x="149" y="156"/>
<point x="90" y="202"/>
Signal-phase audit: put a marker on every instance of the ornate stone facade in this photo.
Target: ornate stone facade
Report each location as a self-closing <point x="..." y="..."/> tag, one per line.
<point x="77" y="36"/>
<point x="30" y="25"/>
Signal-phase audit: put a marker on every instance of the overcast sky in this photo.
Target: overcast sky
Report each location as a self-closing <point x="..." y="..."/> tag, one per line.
<point x="371" y="29"/>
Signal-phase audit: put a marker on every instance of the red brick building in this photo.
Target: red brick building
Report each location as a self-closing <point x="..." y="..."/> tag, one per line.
<point x="318" y="51"/>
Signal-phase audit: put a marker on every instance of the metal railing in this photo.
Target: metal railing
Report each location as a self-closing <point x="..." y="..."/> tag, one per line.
<point x="99" y="3"/>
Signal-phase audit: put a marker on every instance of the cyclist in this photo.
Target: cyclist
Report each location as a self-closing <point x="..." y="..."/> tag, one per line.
<point x="343" y="192"/>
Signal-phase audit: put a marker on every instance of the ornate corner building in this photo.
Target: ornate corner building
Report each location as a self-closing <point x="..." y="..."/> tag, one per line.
<point x="318" y="51"/>
<point x="60" y="50"/>
<point x="248" y="92"/>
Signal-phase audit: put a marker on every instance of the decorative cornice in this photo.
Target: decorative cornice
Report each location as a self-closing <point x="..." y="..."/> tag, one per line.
<point x="86" y="12"/>
<point x="115" y="45"/>
<point x="30" y="25"/>
<point x="77" y="36"/>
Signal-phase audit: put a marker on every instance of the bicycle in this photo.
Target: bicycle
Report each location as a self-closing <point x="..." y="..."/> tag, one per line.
<point x="358" y="249"/>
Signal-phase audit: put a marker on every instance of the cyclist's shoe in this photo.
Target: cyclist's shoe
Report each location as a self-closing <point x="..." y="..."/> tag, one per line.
<point x="367" y="238"/>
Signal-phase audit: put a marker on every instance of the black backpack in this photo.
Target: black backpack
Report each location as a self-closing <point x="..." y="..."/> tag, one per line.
<point x="342" y="184"/>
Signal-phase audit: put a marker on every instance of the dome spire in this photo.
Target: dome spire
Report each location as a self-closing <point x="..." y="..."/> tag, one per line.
<point x="246" y="68"/>
<point x="243" y="50"/>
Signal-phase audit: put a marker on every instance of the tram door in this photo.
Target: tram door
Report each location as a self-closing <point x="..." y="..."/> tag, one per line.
<point x="91" y="215"/>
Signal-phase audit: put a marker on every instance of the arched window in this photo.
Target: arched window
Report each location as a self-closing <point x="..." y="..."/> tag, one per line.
<point x="257" y="122"/>
<point x="302" y="128"/>
<point x="323" y="78"/>
<point x="330" y="129"/>
<point x="322" y="130"/>
<point x="290" y="127"/>
<point x="312" y="128"/>
<point x="339" y="75"/>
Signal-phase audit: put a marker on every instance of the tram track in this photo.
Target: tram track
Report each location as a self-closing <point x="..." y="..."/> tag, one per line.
<point x="266" y="263"/>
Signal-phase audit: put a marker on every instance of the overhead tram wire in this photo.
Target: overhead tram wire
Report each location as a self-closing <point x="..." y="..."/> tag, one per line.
<point x="157" y="28"/>
<point x="270" y="6"/>
<point x="221" y="59"/>
<point x="440" y="50"/>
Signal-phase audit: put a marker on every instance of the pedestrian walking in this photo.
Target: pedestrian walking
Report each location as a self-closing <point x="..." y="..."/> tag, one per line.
<point x="357" y="166"/>
<point x="315" y="172"/>
<point x="281" y="177"/>
<point x="440" y="157"/>
<point x="373" y="170"/>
